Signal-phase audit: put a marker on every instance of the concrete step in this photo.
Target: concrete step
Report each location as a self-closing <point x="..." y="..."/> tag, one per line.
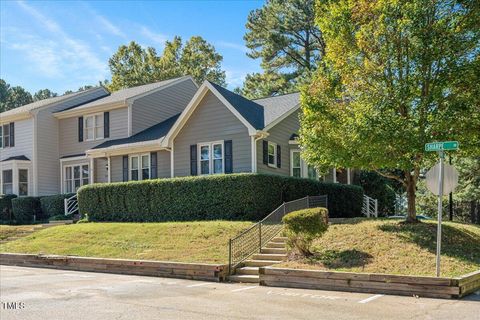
<point x="274" y="250"/>
<point x="244" y="278"/>
<point x="260" y="263"/>
<point x="280" y="239"/>
<point x="247" y="271"/>
<point x="269" y="256"/>
<point x="60" y="222"/>
<point x="275" y="245"/>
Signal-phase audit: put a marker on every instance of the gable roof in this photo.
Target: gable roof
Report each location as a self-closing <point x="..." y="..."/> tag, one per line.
<point x="156" y="132"/>
<point x="277" y="106"/>
<point x="121" y="96"/>
<point x="47" y="102"/>
<point x="251" y="111"/>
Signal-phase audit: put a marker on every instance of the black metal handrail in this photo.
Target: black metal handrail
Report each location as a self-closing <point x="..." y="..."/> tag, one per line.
<point x="255" y="237"/>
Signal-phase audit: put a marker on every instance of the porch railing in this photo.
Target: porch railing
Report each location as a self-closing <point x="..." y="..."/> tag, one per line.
<point x="370" y="207"/>
<point x="254" y="238"/>
<point x="71" y="205"/>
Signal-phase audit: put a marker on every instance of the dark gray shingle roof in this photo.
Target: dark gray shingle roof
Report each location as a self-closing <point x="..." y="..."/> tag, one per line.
<point x="251" y="111"/>
<point x="23" y="158"/>
<point x="155" y="132"/>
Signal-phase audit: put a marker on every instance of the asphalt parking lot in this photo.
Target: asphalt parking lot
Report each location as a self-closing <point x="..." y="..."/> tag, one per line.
<point x="33" y="293"/>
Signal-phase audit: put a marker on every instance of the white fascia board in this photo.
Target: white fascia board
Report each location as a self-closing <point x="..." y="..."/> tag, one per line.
<point x="75" y="112"/>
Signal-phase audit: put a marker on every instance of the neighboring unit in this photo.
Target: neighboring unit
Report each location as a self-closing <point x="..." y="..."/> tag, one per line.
<point x="170" y="128"/>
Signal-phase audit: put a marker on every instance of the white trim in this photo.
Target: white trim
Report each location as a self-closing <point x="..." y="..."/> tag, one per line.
<point x="109" y="163"/>
<point x="129" y="120"/>
<point x="254" y="154"/>
<point x="349" y="181"/>
<point x="274" y="165"/>
<point x="172" y="158"/>
<point x="94" y="128"/>
<point x="28" y="182"/>
<point x="92" y="171"/>
<point x="282" y="117"/>
<point x="79" y="111"/>
<point x="210" y="157"/>
<point x="73" y="158"/>
<point x="139" y="147"/>
<point x="193" y="104"/>
<point x="334" y="175"/>
<point x="291" y="162"/>
<point x="63" y="168"/>
<point x="293" y="142"/>
<point x="35" y="153"/>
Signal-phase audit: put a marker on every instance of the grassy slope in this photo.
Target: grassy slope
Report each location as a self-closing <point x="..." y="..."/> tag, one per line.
<point x="11" y="231"/>
<point x="387" y="246"/>
<point x="176" y="241"/>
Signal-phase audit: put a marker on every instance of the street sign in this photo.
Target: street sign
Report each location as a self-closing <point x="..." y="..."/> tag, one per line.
<point x="441" y="146"/>
<point x="450" y="178"/>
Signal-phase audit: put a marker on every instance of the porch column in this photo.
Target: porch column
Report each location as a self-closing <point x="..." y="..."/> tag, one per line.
<point x="109" y="170"/>
<point x="349" y="181"/>
<point x="334" y="175"/>
<point x="92" y="171"/>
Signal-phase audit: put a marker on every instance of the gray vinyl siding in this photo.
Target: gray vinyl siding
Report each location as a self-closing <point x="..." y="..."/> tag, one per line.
<point x="23" y="141"/>
<point x="48" y="153"/>
<point x="101" y="172"/>
<point x="280" y="134"/>
<point x="69" y="144"/>
<point x="161" y="105"/>
<point x="212" y="121"/>
<point x="163" y="166"/>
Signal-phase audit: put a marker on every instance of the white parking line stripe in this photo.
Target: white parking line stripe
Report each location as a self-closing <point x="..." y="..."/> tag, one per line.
<point x="371" y="298"/>
<point x="246" y="288"/>
<point x="198" y="285"/>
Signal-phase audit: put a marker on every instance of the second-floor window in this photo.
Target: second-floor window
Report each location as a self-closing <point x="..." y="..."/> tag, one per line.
<point x="6" y="135"/>
<point x="93" y="127"/>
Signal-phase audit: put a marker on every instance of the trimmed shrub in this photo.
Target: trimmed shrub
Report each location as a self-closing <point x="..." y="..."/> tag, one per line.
<point x="24" y="208"/>
<point x="54" y="205"/>
<point x="227" y="197"/>
<point x="6" y="212"/>
<point x="303" y="226"/>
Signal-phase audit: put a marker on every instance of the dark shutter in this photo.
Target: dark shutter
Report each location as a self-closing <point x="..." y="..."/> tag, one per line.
<point x="80" y="129"/>
<point x="279" y="156"/>
<point x="265" y="152"/>
<point x="193" y="160"/>
<point x="153" y="166"/>
<point x="125" y="168"/>
<point x="106" y="124"/>
<point x="12" y="134"/>
<point x="228" y="156"/>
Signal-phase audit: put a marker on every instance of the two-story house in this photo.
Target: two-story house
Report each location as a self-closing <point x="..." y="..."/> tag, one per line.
<point x="171" y="128"/>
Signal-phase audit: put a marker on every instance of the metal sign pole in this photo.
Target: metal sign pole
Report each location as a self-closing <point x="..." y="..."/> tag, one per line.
<point x="440" y="209"/>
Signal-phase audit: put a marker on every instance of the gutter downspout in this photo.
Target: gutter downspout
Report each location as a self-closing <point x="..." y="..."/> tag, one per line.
<point x="258" y="135"/>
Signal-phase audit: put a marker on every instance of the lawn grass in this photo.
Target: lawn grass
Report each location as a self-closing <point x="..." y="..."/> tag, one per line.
<point x="204" y="242"/>
<point x="387" y="246"/>
<point x="11" y="231"/>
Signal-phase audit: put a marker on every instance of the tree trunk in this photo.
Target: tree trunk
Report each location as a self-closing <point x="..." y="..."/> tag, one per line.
<point x="411" y="183"/>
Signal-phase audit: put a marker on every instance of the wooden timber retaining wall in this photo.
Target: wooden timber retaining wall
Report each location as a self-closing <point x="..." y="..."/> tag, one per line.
<point x="371" y="282"/>
<point x="194" y="271"/>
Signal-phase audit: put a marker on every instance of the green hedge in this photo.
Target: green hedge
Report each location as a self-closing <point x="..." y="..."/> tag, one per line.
<point x="24" y="208"/>
<point x="6" y="212"/>
<point x="54" y="205"/>
<point x="233" y="196"/>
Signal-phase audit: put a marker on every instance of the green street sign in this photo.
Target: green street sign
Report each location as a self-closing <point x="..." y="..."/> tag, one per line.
<point x="441" y="146"/>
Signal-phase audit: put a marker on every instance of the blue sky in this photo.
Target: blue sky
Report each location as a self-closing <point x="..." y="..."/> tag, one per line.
<point x="62" y="45"/>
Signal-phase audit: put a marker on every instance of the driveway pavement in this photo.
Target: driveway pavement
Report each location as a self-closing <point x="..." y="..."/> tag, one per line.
<point x="32" y="293"/>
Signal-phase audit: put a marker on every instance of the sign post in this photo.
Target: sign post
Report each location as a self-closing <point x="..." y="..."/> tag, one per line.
<point x="452" y="175"/>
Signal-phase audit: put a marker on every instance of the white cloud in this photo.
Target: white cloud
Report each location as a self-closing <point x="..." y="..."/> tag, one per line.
<point x="232" y="45"/>
<point x="59" y="55"/>
<point x="109" y="26"/>
<point x="235" y="78"/>
<point x="158" y="38"/>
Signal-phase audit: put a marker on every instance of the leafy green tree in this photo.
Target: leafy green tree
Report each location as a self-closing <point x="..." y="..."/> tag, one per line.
<point x="283" y="34"/>
<point x="396" y="75"/>
<point x="13" y="97"/>
<point x="43" y="94"/>
<point x="133" y="65"/>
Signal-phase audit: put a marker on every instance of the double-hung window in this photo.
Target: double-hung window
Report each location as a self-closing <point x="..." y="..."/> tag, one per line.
<point x="211" y="157"/>
<point x="140" y="167"/>
<point x="75" y="177"/>
<point x="299" y="168"/>
<point x="22" y="182"/>
<point x="7" y="181"/>
<point x="272" y="154"/>
<point x="93" y="127"/>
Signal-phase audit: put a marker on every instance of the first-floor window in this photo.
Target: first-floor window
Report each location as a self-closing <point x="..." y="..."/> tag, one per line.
<point x="76" y="176"/>
<point x="299" y="168"/>
<point x="7" y="181"/>
<point x="140" y="167"/>
<point x="272" y="154"/>
<point x="23" y="182"/>
<point x="211" y="158"/>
